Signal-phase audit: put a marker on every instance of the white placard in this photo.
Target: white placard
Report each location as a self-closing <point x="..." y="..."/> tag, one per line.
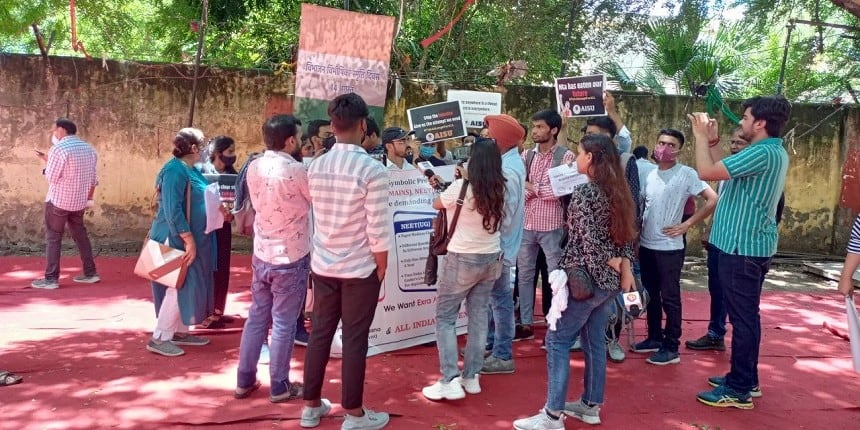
<point x="475" y="105"/>
<point x="564" y="178"/>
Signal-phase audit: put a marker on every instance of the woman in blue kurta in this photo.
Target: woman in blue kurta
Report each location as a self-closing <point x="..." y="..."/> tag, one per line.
<point x="176" y="309"/>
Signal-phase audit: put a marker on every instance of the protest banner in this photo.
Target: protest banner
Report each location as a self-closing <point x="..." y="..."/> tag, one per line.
<point x="226" y="187"/>
<point x="406" y="310"/>
<point x="476" y="105"/>
<point x="580" y="96"/>
<point x="438" y="121"/>
<point x="355" y="58"/>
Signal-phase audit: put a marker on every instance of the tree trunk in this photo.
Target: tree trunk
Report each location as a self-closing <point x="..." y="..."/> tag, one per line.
<point x="851" y="6"/>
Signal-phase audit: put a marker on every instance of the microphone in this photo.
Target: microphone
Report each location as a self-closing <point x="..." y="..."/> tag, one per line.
<point x="440" y="186"/>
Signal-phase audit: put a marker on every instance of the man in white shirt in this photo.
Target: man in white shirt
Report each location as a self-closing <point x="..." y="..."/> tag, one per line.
<point x="352" y="236"/>
<point x="644" y="165"/>
<point x="395" y="141"/>
<point x="278" y="188"/>
<point x="661" y="247"/>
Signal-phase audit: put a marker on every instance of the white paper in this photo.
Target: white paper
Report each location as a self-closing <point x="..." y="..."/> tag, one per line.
<point x="564" y="178"/>
<point x="214" y="217"/>
<point x="853" y="331"/>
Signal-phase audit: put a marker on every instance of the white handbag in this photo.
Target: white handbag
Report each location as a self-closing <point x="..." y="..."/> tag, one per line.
<point x="160" y="263"/>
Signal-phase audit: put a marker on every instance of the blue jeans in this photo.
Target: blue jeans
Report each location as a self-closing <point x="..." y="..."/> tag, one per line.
<point x="741" y="278"/>
<point x="277" y="297"/>
<point x="588" y="319"/>
<point x="501" y="334"/>
<point x="469" y="276"/>
<point x="532" y="242"/>
<point x="717" y="324"/>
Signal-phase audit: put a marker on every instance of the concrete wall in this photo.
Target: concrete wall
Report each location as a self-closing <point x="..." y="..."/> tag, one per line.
<point x="130" y="113"/>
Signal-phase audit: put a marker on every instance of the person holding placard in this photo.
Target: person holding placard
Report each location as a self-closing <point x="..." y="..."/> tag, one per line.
<point x="544" y="212"/>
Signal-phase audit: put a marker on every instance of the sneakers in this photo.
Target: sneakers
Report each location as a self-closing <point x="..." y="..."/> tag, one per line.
<point x="725" y="397"/>
<point x="664" y="357"/>
<point x="471" y="385"/>
<point x="577" y="345"/>
<point x="264" y="354"/>
<point x="583" y="412"/>
<point x="615" y="352"/>
<point x="716" y="381"/>
<point x="444" y="390"/>
<point x="190" y="340"/>
<point x="647" y="345"/>
<point x="311" y="416"/>
<point x="164" y="347"/>
<point x="369" y="421"/>
<point x="45" y="284"/>
<point x="705" y="343"/>
<point x="302" y="337"/>
<point x="523" y="332"/>
<point x="496" y="366"/>
<point x="84" y="279"/>
<point x="541" y="421"/>
<point x="294" y="391"/>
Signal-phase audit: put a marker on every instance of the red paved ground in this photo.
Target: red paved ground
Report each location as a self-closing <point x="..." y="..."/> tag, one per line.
<point x="81" y="351"/>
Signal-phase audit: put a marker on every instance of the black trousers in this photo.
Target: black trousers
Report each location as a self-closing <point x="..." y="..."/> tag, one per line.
<point x="354" y="302"/>
<point x="661" y="276"/>
<point x="221" y="276"/>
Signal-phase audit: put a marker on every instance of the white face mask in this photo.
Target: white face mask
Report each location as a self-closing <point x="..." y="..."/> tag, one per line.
<point x="54" y="139"/>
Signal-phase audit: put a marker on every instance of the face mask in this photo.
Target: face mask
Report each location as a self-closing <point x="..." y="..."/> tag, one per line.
<point x="228" y="160"/>
<point x="665" y="154"/>
<point x="427" y="151"/>
<point x="54" y="139"/>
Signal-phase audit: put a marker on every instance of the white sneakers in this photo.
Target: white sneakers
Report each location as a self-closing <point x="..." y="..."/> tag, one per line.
<point x="454" y="390"/>
<point x="311" y="416"/>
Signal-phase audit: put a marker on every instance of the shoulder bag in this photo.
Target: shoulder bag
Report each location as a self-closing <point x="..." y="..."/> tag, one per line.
<point x="440" y="237"/>
<point x="161" y="263"/>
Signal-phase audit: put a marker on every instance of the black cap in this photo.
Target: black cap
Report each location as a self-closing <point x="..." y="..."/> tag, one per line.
<point x="391" y="134"/>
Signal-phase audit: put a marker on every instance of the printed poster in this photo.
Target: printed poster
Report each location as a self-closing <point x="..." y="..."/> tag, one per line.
<point x="405" y="314"/>
<point x="437" y="121"/>
<point x="341" y="52"/>
<point x="580" y="96"/>
<point x="476" y="105"/>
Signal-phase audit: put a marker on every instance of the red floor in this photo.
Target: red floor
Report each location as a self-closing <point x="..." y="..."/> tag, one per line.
<point x="81" y="351"/>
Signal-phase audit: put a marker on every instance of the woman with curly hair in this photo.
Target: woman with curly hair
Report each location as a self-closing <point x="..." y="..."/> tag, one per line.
<point x="471" y="267"/>
<point x="601" y="227"/>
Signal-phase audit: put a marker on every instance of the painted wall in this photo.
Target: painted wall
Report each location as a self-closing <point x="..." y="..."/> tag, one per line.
<point x="130" y="112"/>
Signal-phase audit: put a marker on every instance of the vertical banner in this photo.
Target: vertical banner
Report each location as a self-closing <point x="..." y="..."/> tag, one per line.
<point x="341" y="52"/>
<point x="476" y="105"/>
<point x="580" y="96"/>
<point x="406" y="310"/>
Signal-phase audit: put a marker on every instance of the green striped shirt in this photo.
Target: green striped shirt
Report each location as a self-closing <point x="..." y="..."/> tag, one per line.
<point x="744" y="222"/>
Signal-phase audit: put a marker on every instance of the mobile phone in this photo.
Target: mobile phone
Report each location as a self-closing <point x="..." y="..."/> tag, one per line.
<point x="39" y="152"/>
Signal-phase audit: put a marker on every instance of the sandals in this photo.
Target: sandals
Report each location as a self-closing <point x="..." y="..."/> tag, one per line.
<point x="8" y="378"/>
<point x="212" y="322"/>
<point x="243" y="393"/>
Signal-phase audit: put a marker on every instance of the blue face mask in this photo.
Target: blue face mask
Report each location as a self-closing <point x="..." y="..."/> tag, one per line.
<point x="427" y="151"/>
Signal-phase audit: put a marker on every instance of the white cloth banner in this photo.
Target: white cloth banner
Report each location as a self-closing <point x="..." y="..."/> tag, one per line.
<point x="853" y="330"/>
<point x="406" y="310"/>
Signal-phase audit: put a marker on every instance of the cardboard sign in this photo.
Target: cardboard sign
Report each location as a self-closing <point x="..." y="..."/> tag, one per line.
<point x="476" y="105"/>
<point x="439" y="121"/>
<point x="580" y="96"/>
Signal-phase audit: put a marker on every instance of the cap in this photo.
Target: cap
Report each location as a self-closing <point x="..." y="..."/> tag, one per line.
<point x="505" y="129"/>
<point x="394" y="133"/>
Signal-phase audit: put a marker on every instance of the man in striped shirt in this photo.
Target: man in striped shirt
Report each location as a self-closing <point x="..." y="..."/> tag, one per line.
<point x="352" y="236"/>
<point x="71" y="175"/>
<point x="852" y="260"/>
<point x="744" y="233"/>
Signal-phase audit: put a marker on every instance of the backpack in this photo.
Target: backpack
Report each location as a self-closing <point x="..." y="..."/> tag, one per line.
<point x="564" y="201"/>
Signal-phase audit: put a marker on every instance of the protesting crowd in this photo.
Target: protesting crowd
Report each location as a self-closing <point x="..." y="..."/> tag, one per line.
<point x="322" y="233"/>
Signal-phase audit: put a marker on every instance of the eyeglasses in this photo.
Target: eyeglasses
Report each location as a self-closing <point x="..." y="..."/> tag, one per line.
<point x="326" y="134"/>
<point x="429" y="144"/>
<point x="739" y="142"/>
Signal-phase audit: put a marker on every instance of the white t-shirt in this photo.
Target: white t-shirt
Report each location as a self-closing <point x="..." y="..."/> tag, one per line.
<point x="665" y="193"/>
<point x="645" y="167"/>
<point x="469" y="237"/>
